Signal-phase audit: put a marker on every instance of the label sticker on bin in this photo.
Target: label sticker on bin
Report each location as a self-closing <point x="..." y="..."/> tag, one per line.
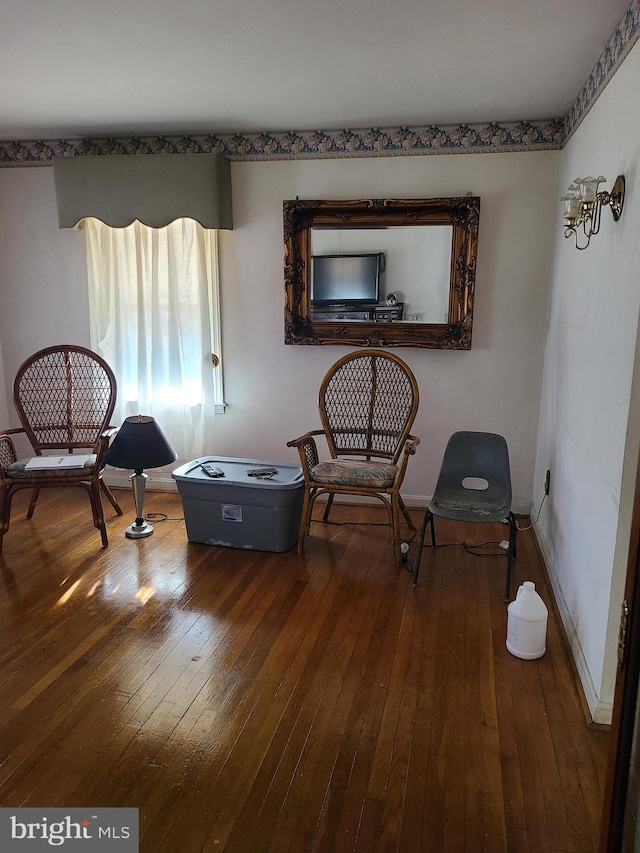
<point x="231" y="512"/>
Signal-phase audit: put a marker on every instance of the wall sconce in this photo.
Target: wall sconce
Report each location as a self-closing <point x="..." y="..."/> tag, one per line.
<point x="583" y="206"/>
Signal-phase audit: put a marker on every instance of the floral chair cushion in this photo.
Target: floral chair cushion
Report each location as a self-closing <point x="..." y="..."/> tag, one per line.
<point x="355" y="472"/>
<point x="19" y="471"/>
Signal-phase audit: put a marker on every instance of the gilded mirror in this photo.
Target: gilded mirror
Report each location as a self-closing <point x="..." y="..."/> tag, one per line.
<point x="380" y="272"/>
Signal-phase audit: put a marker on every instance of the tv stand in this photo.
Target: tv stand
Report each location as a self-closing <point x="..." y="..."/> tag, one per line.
<point x="379" y="313"/>
<point x="386" y="313"/>
<point x="347" y="312"/>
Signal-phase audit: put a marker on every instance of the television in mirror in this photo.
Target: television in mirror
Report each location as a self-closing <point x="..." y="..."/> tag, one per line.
<point x="345" y="281"/>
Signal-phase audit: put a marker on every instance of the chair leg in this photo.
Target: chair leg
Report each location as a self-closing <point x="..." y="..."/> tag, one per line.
<point x="407" y="517"/>
<point x="394" y="520"/>
<point x="5" y="512"/>
<point x="32" y="503"/>
<point x="114" y="503"/>
<point x="511" y="554"/>
<point x="98" y="515"/>
<point x="423" y="530"/>
<point x="327" y="508"/>
<point x="428" y="519"/>
<point x="305" y="519"/>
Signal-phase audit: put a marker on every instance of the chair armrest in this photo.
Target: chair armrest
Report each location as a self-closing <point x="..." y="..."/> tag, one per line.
<point x="8" y="453"/>
<point x="308" y="451"/>
<point x="102" y="445"/>
<point x="412" y="441"/>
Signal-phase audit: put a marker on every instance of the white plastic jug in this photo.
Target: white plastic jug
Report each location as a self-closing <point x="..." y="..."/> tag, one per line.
<point x="527" y="623"/>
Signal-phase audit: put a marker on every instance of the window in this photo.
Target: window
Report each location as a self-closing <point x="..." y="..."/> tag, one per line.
<point x="154" y="313"/>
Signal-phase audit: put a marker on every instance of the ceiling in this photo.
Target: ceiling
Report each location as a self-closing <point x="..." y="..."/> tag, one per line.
<point x="83" y="68"/>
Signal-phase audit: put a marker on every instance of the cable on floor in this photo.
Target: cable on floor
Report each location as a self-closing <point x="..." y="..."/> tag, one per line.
<point x="366" y="524"/>
<point x="469" y="549"/>
<point x="157" y="517"/>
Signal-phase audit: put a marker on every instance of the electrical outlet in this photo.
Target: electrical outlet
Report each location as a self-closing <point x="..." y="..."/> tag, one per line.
<point x="547" y="482"/>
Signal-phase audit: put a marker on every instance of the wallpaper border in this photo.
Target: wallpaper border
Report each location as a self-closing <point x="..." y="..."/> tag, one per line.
<point x="370" y="142"/>
<point x="623" y="39"/>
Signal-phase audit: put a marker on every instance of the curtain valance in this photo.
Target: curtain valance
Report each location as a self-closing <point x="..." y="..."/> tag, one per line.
<point x="156" y="189"/>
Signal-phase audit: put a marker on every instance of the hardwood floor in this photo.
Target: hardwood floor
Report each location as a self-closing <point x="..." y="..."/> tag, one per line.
<point x="249" y="701"/>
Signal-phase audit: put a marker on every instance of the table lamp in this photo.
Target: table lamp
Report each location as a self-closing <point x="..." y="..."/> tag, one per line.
<point x="139" y="444"/>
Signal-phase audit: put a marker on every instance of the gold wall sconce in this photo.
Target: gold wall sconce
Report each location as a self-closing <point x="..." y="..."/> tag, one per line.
<point x="583" y="206"/>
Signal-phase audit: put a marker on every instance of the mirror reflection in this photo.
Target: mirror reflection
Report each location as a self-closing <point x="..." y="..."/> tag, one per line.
<point x="380" y="272"/>
<point x="355" y="270"/>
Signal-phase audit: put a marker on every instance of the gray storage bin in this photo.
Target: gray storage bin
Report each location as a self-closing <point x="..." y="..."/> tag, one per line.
<point x="240" y="511"/>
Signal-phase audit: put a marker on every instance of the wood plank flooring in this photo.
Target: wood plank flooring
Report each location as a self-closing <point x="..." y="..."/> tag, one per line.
<point x="248" y="701"/>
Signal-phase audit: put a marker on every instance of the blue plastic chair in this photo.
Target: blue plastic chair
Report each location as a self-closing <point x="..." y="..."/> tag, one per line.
<point x="474" y="484"/>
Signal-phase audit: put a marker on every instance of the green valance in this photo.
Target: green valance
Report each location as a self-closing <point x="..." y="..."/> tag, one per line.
<point x="156" y="189"/>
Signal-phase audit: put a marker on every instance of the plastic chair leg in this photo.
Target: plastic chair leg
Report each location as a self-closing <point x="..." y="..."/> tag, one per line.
<point x="428" y="519"/>
<point x="511" y="554"/>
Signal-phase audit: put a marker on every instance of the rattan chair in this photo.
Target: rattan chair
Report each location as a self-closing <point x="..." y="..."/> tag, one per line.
<point x="64" y="396"/>
<point x="368" y="401"/>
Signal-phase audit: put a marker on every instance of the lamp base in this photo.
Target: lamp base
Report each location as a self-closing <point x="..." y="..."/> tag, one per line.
<point x="135" y="531"/>
<point x="139" y="529"/>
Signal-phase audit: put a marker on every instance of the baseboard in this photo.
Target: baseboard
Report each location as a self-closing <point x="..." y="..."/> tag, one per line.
<point x="413" y="501"/>
<point x="164" y="482"/>
<point x="159" y="482"/>
<point x="598" y="712"/>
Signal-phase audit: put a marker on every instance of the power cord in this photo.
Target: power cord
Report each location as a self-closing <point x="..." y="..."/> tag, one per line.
<point x="158" y="517"/>
<point x="535" y="520"/>
<point x="469" y="549"/>
<point x="366" y="524"/>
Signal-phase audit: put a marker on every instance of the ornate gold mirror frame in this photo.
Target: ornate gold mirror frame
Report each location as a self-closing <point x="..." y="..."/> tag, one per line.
<point x="301" y="217"/>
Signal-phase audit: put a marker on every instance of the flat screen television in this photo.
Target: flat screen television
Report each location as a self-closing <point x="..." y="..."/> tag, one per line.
<point x="345" y="280"/>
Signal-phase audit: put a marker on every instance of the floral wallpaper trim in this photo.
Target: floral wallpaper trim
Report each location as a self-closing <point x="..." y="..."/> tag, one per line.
<point x="432" y="139"/>
<point x="372" y="142"/>
<point x="623" y="39"/>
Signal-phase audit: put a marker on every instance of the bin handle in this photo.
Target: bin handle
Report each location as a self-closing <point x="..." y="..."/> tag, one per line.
<point x="193" y="468"/>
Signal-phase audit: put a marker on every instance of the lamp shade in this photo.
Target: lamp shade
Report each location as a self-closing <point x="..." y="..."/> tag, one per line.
<point x="589" y="187"/>
<point x="571" y="205"/>
<point x="140" y="443"/>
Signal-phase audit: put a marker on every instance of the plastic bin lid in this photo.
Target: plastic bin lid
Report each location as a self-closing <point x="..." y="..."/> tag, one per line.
<point x="235" y="469"/>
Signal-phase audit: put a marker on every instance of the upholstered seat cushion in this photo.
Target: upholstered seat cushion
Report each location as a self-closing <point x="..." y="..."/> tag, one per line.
<point x="19" y="471"/>
<point x="355" y="472"/>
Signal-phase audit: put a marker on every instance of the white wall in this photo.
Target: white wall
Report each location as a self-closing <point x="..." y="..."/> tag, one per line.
<point x="585" y="439"/>
<point x="271" y="388"/>
<point x="42" y="270"/>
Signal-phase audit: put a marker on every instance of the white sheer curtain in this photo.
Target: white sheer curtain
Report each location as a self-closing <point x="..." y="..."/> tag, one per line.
<point x="153" y="299"/>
